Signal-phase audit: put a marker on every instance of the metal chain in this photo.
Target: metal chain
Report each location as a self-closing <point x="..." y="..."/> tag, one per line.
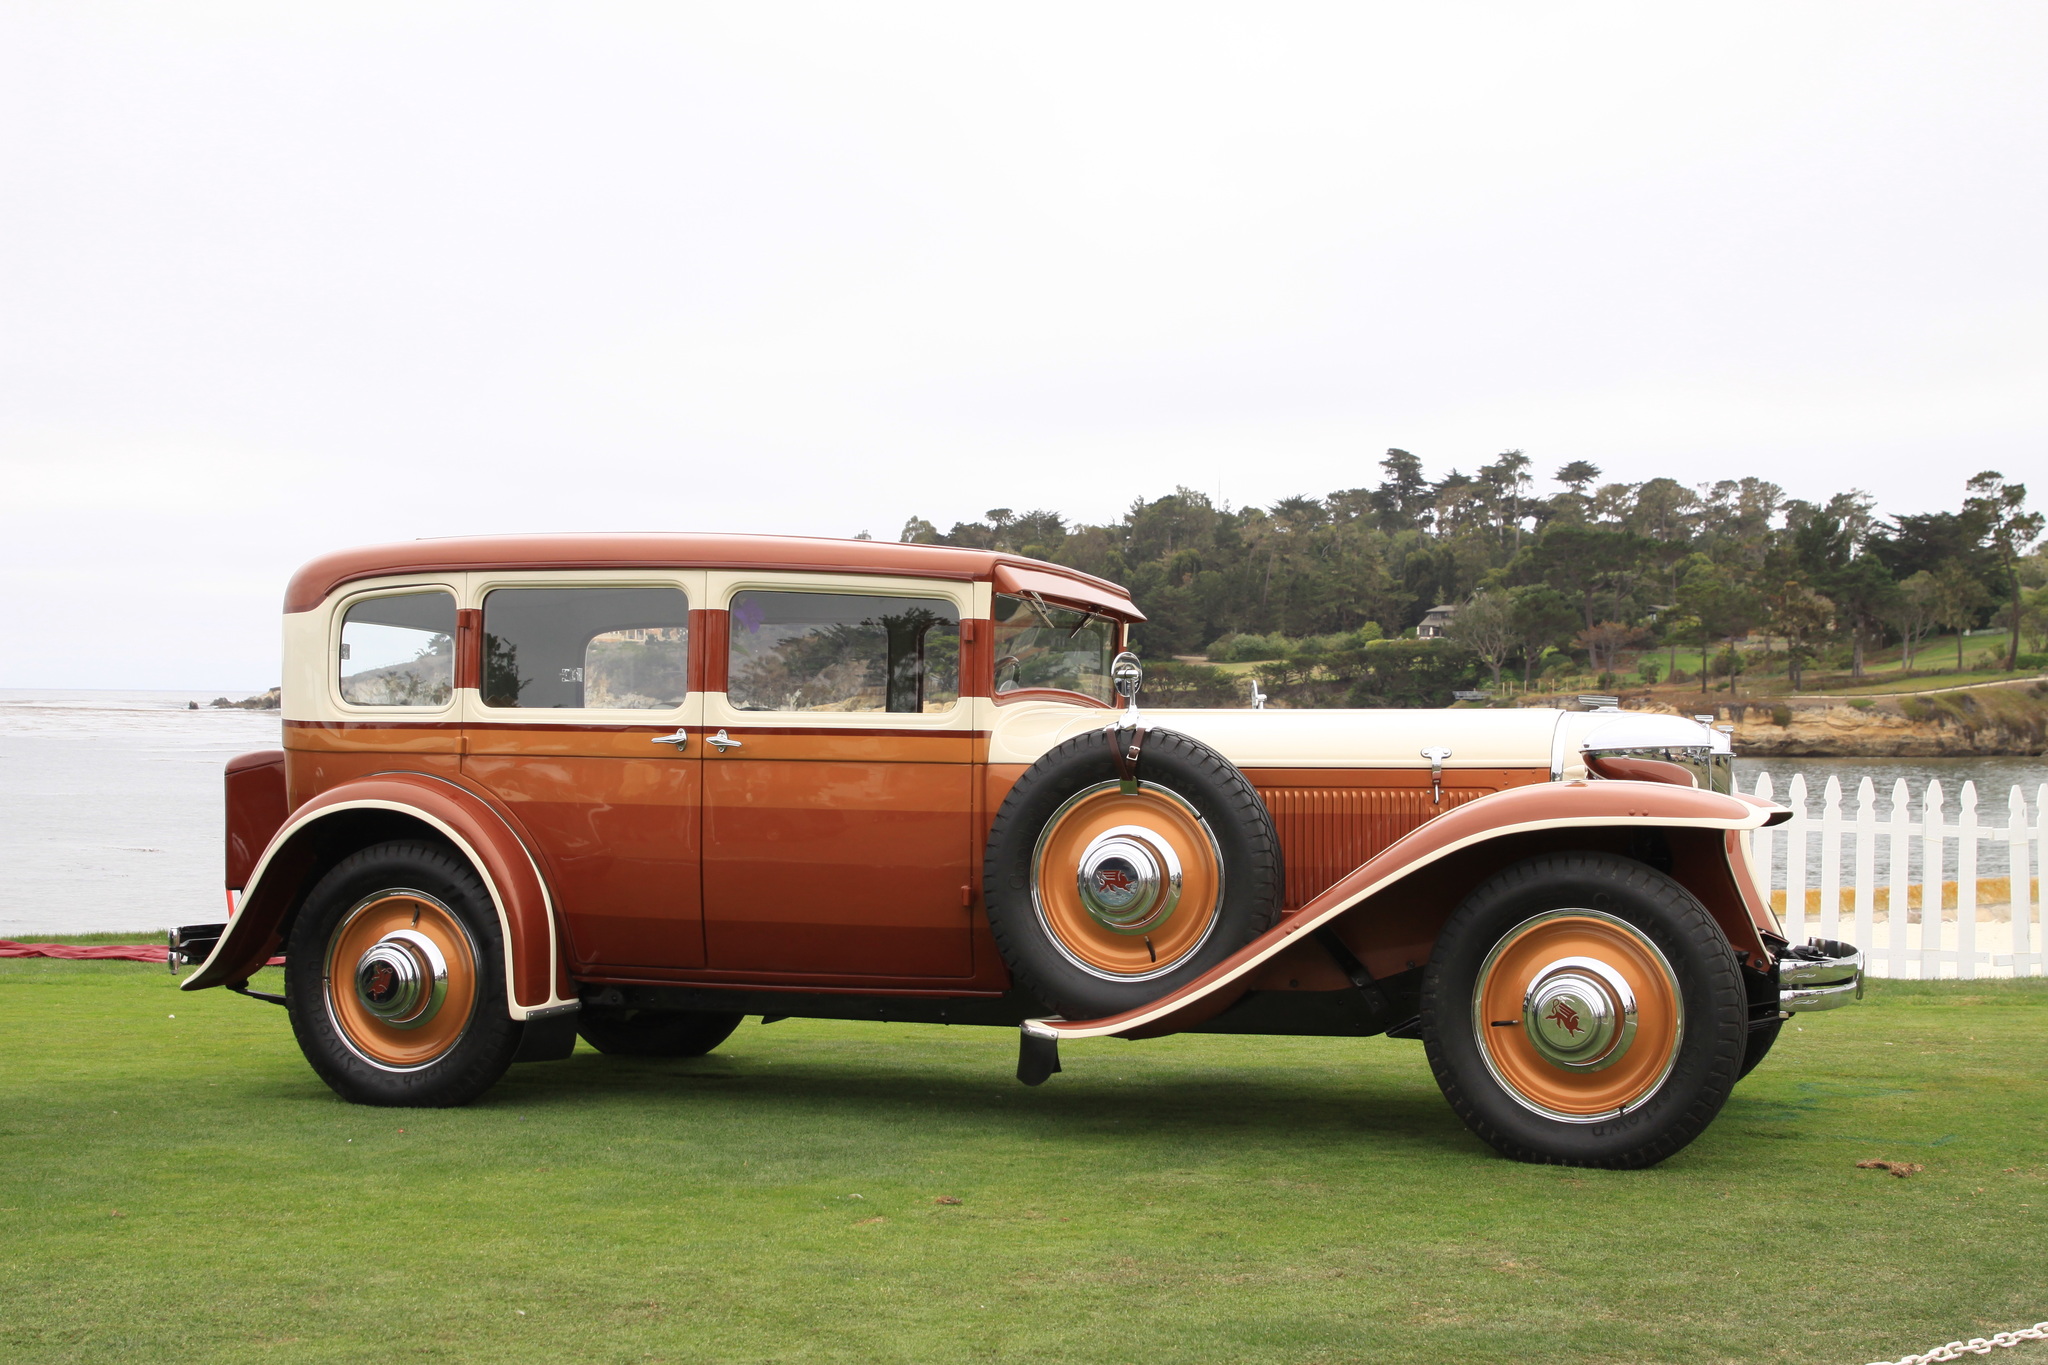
<point x="1975" y="1346"/>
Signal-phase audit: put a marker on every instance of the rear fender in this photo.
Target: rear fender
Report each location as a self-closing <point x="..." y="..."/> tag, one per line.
<point x="392" y="805"/>
<point x="1389" y="910"/>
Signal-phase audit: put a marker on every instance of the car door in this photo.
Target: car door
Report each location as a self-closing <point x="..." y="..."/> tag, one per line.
<point x="580" y="725"/>
<point x="838" y="795"/>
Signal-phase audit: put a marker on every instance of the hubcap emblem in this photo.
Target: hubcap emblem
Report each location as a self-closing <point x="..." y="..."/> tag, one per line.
<point x="1129" y="880"/>
<point x="1116" y="882"/>
<point x="1580" y="1014"/>
<point x="402" y="979"/>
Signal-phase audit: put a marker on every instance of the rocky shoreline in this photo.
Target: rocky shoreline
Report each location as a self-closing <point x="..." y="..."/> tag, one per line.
<point x="2004" y="720"/>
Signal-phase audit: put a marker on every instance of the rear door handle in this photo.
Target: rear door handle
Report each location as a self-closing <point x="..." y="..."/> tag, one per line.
<point x="722" y="741"/>
<point x="681" y="739"/>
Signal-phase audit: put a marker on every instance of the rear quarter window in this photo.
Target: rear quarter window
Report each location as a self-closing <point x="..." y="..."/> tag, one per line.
<point x="398" y="650"/>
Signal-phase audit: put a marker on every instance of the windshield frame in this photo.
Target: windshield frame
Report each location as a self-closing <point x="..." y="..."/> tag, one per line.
<point x="1042" y="608"/>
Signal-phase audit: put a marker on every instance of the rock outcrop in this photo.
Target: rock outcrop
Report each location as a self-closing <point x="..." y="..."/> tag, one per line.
<point x="1982" y="722"/>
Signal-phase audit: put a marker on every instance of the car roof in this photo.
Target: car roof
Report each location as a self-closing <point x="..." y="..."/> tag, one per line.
<point x="312" y="584"/>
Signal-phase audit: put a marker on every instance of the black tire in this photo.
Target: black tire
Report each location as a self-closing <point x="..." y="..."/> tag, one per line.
<point x="654" y="1033"/>
<point x="1181" y="773"/>
<point x="482" y="1035"/>
<point x="1758" y="1045"/>
<point x="1704" y="1025"/>
<point x="1766" y="1020"/>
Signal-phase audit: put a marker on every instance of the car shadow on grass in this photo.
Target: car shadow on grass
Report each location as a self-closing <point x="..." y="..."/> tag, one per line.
<point x="1107" y="1099"/>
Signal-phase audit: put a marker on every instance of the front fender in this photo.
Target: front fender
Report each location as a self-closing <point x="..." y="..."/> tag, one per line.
<point x="1550" y="811"/>
<point x="518" y="891"/>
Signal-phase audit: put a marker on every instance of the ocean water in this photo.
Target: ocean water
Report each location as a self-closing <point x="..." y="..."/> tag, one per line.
<point x="1994" y="779"/>
<point x="111" y="806"/>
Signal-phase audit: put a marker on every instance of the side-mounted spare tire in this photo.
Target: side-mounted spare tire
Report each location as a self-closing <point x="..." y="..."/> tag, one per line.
<point x="1110" y="884"/>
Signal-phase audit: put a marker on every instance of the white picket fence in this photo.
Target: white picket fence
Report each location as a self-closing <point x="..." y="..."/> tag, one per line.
<point x="1946" y="921"/>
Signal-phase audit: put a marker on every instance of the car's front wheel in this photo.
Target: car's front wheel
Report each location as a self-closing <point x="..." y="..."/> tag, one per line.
<point x="395" y="979"/>
<point x="1586" y="1010"/>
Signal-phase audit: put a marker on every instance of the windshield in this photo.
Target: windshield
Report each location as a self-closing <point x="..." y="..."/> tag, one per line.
<point x="1042" y="645"/>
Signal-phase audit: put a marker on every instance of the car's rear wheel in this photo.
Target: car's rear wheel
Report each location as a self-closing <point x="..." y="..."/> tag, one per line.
<point x="1106" y="893"/>
<point x="1584" y="1009"/>
<point x="395" y="979"/>
<point x="654" y="1033"/>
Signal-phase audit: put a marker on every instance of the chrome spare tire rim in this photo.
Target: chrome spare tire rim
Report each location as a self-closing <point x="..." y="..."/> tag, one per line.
<point x="1129" y="879"/>
<point x="402" y="979"/>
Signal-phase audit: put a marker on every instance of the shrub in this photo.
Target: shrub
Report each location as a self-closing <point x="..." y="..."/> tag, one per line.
<point x="1648" y="670"/>
<point x="2033" y="661"/>
<point x="1178" y="684"/>
<point x="1247" y="649"/>
<point x="1860" y="703"/>
<point x="1781" y="715"/>
<point x="1378" y="673"/>
<point x="1679" y="675"/>
<point x="1914" y="709"/>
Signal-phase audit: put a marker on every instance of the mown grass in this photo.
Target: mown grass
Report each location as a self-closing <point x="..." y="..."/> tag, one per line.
<point x="183" y="1188"/>
<point x="1936" y="683"/>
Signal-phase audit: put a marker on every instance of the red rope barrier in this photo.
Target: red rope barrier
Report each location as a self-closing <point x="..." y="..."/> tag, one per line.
<point x="97" y="952"/>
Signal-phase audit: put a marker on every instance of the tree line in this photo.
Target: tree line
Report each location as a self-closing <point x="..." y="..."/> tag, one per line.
<point x="1586" y="571"/>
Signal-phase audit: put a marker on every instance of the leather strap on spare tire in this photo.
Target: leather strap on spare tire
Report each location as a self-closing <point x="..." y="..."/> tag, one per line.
<point x="1117" y="872"/>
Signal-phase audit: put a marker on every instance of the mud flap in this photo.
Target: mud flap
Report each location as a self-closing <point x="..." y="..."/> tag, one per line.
<point x="547" y="1037"/>
<point x="1038" y="1056"/>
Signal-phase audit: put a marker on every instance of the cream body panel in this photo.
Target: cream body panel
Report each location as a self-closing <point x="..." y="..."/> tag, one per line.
<point x="1023" y="731"/>
<point x="304" y="686"/>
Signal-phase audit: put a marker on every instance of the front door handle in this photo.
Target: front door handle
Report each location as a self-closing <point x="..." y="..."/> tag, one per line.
<point x="681" y="739"/>
<point x="722" y="741"/>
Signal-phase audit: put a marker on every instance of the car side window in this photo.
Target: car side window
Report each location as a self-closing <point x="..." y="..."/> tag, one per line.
<point x="399" y="650"/>
<point x="597" y="648"/>
<point x="821" y="651"/>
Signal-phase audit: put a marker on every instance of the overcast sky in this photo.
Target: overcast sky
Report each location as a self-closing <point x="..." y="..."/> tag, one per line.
<point x="276" y="279"/>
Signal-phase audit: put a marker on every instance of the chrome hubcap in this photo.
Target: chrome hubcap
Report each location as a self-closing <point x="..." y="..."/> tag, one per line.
<point x="1580" y="1014"/>
<point x="1129" y="880"/>
<point x="402" y="979"/>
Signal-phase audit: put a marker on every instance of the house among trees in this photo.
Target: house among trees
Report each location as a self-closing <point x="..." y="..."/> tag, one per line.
<point x="1436" y="621"/>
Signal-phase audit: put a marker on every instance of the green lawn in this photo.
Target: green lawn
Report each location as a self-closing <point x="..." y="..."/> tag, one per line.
<point x="1936" y="683"/>
<point x="184" y="1189"/>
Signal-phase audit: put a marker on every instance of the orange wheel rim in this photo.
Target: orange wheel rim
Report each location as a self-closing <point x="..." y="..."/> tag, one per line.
<point x="401" y="979"/>
<point x="1127" y="884"/>
<point x="1578" y="1015"/>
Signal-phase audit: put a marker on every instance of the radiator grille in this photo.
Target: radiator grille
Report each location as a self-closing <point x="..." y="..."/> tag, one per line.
<point x="1325" y="832"/>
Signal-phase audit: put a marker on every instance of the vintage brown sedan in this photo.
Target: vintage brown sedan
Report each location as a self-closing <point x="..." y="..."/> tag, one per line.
<point x="636" y="787"/>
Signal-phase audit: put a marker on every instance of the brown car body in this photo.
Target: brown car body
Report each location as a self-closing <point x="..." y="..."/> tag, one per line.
<point x="822" y="863"/>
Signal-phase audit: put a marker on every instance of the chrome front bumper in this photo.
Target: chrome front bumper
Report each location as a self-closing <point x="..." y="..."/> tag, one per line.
<point x="192" y="944"/>
<point x="1819" y="974"/>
